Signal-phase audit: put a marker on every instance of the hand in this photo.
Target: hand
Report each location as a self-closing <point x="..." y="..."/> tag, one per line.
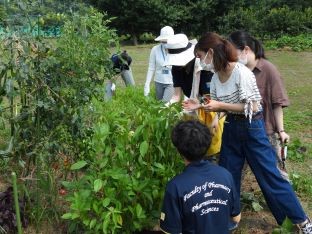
<point x="212" y="106"/>
<point x="146" y="90"/>
<point x="113" y="88"/>
<point x="284" y="137"/>
<point x="214" y="125"/>
<point x="190" y="104"/>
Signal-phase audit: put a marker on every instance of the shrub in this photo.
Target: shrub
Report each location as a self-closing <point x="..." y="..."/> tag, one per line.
<point x="281" y="21"/>
<point x="147" y="38"/>
<point x="49" y="84"/>
<point x="297" y="43"/>
<point x="131" y="160"/>
<point x="240" y="19"/>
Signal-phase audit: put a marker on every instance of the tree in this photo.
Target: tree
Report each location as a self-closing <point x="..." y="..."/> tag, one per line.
<point x="135" y="17"/>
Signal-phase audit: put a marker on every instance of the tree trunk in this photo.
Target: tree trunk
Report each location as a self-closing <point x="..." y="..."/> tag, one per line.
<point x="135" y="39"/>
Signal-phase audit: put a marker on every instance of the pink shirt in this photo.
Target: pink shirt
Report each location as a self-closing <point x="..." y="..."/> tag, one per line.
<point x="272" y="90"/>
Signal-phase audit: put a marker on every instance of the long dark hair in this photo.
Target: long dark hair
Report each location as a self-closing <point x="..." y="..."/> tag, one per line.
<point x="240" y="39"/>
<point x="223" y="51"/>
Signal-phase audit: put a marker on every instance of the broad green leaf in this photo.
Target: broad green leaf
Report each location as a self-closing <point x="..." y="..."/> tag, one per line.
<point x="95" y="207"/>
<point x="106" y="202"/>
<point x="92" y="223"/>
<point x="256" y="206"/>
<point x="288" y="225"/>
<point x="78" y="165"/>
<point x="143" y="148"/>
<point x="66" y="184"/>
<point x="75" y="216"/>
<point x="119" y="219"/>
<point x="98" y="183"/>
<point x="86" y="222"/>
<point x="106" y="222"/>
<point x="138" y="210"/>
<point x="160" y="166"/>
<point x="67" y="216"/>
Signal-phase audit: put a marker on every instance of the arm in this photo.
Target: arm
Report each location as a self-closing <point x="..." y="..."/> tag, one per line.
<point x="150" y="71"/>
<point x="222" y="106"/>
<point x="236" y="218"/>
<point x="279" y="119"/>
<point x="177" y="94"/>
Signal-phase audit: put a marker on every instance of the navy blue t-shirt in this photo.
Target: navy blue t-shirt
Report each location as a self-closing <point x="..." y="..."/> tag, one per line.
<point x="201" y="200"/>
<point x="183" y="77"/>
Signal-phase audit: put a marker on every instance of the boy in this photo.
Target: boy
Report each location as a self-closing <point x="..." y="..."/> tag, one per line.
<point x="202" y="198"/>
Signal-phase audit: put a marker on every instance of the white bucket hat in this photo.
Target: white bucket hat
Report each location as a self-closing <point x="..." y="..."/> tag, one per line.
<point x="180" y="50"/>
<point x="165" y="33"/>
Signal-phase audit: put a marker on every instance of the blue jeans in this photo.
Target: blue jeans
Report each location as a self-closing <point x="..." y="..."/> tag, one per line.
<point x="243" y="140"/>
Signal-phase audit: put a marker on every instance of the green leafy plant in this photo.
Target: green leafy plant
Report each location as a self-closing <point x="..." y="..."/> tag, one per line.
<point x="250" y="201"/>
<point x="122" y="182"/>
<point x="46" y="88"/>
<point x="286" y="228"/>
<point x="301" y="183"/>
<point x="297" y="43"/>
<point x="297" y="151"/>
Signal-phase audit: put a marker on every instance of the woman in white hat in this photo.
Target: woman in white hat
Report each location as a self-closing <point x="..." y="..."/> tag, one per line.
<point x="163" y="77"/>
<point x="191" y="81"/>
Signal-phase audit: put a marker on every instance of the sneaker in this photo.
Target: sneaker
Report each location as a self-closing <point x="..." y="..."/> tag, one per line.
<point x="306" y="228"/>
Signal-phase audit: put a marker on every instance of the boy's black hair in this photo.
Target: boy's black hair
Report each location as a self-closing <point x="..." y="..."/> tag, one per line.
<point x="192" y="139"/>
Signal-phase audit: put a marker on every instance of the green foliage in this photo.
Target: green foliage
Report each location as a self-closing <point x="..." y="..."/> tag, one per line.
<point x="250" y="202"/>
<point x="240" y="19"/>
<point x="302" y="183"/>
<point x="297" y="151"/>
<point x="263" y="18"/>
<point x="286" y="228"/>
<point x="131" y="160"/>
<point x="297" y="43"/>
<point x="46" y="88"/>
<point x="147" y="37"/>
<point x="284" y="20"/>
<point x="140" y="16"/>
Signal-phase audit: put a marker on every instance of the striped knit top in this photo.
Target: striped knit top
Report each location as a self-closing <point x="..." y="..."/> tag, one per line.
<point x="241" y="87"/>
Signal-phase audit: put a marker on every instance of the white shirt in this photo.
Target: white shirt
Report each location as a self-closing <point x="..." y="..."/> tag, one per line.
<point x="157" y="58"/>
<point x="241" y="87"/>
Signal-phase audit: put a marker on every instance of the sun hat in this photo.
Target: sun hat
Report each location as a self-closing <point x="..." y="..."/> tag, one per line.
<point x="180" y="50"/>
<point x="165" y="33"/>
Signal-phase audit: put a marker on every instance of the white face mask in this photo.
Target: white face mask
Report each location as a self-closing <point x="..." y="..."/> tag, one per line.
<point x="242" y="58"/>
<point x="243" y="61"/>
<point x="205" y="66"/>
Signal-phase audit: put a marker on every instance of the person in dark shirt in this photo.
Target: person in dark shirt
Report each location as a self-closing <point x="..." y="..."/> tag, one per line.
<point x="183" y="79"/>
<point x="121" y="65"/>
<point x="202" y="199"/>
<point x="190" y="81"/>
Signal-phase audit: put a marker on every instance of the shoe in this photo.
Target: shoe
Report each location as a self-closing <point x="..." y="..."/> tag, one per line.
<point x="232" y="225"/>
<point x="306" y="228"/>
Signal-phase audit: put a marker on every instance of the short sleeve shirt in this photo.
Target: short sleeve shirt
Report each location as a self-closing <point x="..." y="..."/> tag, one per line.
<point x="200" y="200"/>
<point x="183" y="77"/>
<point x="272" y="91"/>
<point x="241" y="87"/>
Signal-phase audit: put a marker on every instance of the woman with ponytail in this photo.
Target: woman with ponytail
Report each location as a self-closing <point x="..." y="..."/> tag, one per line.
<point x="234" y="92"/>
<point x="271" y="87"/>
